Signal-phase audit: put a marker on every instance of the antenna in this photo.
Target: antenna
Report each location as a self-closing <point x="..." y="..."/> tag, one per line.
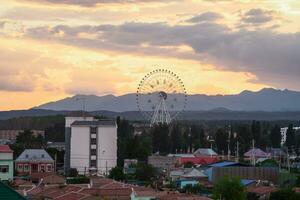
<point x="83" y="99"/>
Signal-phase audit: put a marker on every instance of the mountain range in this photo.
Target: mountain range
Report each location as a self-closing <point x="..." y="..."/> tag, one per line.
<point x="267" y="99"/>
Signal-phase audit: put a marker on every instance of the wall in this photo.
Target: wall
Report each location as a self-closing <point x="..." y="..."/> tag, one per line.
<point x="10" y="174"/>
<point x="80" y="148"/>
<point x="107" y="148"/>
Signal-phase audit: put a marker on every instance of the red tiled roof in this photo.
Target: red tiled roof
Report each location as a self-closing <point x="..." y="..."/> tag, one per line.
<point x="203" y="160"/>
<point x="5" y="149"/>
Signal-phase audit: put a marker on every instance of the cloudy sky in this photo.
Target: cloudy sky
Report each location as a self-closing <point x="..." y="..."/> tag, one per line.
<point x="51" y="49"/>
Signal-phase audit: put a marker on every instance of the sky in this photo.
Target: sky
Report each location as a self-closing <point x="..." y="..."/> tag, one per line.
<point x="52" y="49"/>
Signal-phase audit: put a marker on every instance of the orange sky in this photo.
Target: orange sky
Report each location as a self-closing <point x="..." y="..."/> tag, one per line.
<point x="50" y="50"/>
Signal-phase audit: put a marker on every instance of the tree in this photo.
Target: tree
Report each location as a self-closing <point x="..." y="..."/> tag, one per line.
<point x="221" y="140"/>
<point x="284" y="194"/>
<point x="256" y="131"/>
<point x="275" y="137"/>
<point x="176" y="139"/>
<point x="290" y="137"/>
<point x="145" y="172"/>
<point x="160" y="139"/>
<point x="198" y="136"/>
<point x="229" y="188"/>
<point x="117" y="173"/>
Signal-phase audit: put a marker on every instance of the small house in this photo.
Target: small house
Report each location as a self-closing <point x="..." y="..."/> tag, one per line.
<point x="34" y="160"/>
<point x="6" y="163"/>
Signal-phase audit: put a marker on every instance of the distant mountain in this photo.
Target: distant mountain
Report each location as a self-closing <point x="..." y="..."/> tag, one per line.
<point x="267" y="99"/>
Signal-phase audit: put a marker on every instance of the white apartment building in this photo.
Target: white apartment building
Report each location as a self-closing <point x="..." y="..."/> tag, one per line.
<point x="92" y="145"/>
<point x="283" y="132"/>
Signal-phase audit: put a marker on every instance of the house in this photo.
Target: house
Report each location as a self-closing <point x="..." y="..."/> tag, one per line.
<point x="162" y="162"/>
<point x="188" y="173"/>
<point x="34" y="160"/>
<point x="205" y="152"/>
<point x="256" y="153"/>
<point x="183" y="183"/>
<point x="6" y="163"/>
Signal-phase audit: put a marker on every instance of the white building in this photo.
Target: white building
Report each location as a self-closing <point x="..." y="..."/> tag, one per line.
<point x="283" y="132"/>
<point x="93" y="145"/>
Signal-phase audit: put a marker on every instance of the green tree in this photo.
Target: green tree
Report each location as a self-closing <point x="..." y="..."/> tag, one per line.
<point x="275" y="137"/>
<point x="176" y="139"/>
<point x="117" y="173"/>
<point x="198" y="136"/>
<point x="160" y="139"/>
<point x="290" y="137"/>
<point x="145" y="172"/>
<point x="284" y="194"/>
<point x="229" y="188"/>
<point x="256" y="131"/>
<point x="221" y="138"/>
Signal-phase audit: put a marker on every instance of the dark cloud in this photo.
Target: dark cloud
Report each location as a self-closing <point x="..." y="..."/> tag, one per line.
<point x="89" y="3"/>
<point x="272" y="56"/>
<point x="257" y="16"/>
<point x="205" y="17"/>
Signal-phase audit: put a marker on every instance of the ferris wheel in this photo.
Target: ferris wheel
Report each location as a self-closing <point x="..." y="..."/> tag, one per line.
<point x="161" y="96"/>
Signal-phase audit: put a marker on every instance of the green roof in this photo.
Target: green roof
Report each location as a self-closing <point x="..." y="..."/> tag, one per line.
<point x="7" y="192"/>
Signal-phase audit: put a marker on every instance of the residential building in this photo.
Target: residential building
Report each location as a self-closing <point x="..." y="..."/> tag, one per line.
<point x="11" y="135"/>
<point x="162" y="162"/>
<point x="205" y="152"/>
<point x="34" y="160"/>
<point x="6" y="163"/>
<point x="70" y="118"/>
<point x="283" y="132"/>
<point x="92" y="144"/>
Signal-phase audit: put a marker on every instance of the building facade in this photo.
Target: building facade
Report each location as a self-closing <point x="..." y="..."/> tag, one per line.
<point x="6" y="163"/>
<point x="33" y="161"/>
<point x="93" y="146"/>
<point x="72" y="117"/>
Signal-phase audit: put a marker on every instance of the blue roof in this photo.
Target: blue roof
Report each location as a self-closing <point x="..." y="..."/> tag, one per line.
<point x="223" y="164"/>
<point x="246" y="182"/>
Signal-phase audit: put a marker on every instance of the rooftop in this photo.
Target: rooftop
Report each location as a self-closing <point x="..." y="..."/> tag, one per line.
<point x="79" y="113"/>
<point x="205" y="151"/>
<point x="34" y="155"/>
<point x="5" y="149"/>
<point x="223" y="164"/>
<point x="94" y="123"/>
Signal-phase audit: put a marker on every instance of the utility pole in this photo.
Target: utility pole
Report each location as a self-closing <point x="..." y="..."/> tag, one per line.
<point x="228" y="144"/>
<point x="253" y="154"/>
<point x="237" y="151"/>
<point x="83" y="99"/>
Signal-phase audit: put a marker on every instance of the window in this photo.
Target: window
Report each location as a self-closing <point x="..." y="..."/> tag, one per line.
<point x="20" y="167"/>
<point x="93" y="163"/>
<point x="26" y="168"/>
<point x="27" y="156"/>
<point x="4" y="168"/>
<point x="42" y="168"/>
<point x="93" y="129"/>
<point x="93" y="151"/>
<point x="49" y="167"/>
<point x="93" y="140"/>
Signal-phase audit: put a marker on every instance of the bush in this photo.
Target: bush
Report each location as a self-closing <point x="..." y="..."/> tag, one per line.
<point x="73" y="172"/>
<point x="229" y="188"/>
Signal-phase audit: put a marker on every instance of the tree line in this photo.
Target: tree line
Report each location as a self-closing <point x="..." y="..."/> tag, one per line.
<point x="184" y="137"/>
